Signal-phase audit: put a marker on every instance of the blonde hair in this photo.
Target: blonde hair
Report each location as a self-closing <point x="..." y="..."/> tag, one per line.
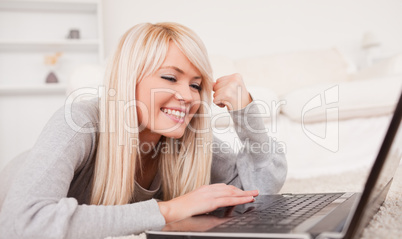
<point x="141" y="51"/>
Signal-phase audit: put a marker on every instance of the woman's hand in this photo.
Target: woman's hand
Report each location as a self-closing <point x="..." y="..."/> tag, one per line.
<point x="205" y="199"/>
<point x="231" y="92"/>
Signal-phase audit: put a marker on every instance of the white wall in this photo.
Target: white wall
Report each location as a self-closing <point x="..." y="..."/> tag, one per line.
<point x="234" y="28"/>
<point x="29" y="31"/>
<point x="238" y="28"/>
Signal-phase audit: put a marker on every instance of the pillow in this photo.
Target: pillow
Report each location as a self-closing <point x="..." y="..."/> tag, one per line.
<point x="352" y="99"/>
<point x="286" y="72"/>
<point x="388" y="67"/>
<point x="265" y="99"/>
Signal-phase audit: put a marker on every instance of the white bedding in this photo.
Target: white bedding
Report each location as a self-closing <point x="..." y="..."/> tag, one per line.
<point x="359" y="142"/>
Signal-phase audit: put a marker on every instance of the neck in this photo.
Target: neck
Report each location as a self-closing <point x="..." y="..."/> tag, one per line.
<point x="148" y="144"/>
<point x="148" y="136"/>
<point x="149" y="158"/>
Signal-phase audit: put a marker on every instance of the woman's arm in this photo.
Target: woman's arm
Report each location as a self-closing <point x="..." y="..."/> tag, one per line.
<point x="205" y="199"/>
<point x="37" y="205"/>
<point x="259" y="164"/>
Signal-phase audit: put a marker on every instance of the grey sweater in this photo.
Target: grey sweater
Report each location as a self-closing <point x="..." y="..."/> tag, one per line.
<point x="45" y="192"/>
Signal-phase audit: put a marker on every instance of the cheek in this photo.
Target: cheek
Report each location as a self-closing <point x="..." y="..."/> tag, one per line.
<point x="195" y="106"/>
<point x="142" y="113"/>
<point x="143" y="103"/>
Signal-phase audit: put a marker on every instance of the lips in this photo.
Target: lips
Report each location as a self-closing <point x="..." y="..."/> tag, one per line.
<point x="175" y="115"/>
<point x="174" y="112"/>
<point x="181" y="109"/>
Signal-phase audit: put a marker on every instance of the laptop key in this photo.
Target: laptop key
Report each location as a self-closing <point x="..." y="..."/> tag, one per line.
<point x="282" y="215"/>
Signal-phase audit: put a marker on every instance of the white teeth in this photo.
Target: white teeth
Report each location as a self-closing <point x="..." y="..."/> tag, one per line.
<point x="175" y="113"/>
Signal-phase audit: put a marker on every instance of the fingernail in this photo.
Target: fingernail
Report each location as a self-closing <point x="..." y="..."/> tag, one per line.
<point x="253" y="198"/>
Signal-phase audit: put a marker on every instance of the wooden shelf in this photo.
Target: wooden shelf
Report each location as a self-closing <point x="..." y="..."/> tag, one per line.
<point x="50" y="5"/>
<point x="34" y="45"/>
<point x="34" y="28"/>
<point x="51" y="88"/>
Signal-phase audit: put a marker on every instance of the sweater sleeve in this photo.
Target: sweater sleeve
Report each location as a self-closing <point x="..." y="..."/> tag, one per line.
<point x="259" y="164"/>
<point x="37" y="206"/>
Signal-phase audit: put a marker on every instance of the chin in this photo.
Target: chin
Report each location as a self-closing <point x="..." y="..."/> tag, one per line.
<point x="177" y="134"/>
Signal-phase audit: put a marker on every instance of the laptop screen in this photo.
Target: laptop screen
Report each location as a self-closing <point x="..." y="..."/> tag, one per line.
<point x="381" y="175"/>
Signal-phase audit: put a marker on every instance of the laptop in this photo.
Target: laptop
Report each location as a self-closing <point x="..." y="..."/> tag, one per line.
<point x="325" y="215"/>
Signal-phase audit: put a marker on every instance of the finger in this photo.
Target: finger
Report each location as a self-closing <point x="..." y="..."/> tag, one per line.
<point x="217" y="187"/>
<point x="221" y="99"/>
<point x="231" y="191"/>
<point x="233" y="201"/>
<point x="246" y="193"/>
<point x="218" y="184"/>
<point x="220" y="83"/>
<point x="221" y="91"/>
<point x="222" y="78"/>
<point x="222" y="103"/>
<point x="223" y="95"/>
<point x="220" y="95"/>
<point x="253" y="193"/>
<point x="218" y="99"/>
<point x="236" y="77"/>
<point x="223" y="187"/>
<point x="235" y="193"/>
<point x="234" y="188"/>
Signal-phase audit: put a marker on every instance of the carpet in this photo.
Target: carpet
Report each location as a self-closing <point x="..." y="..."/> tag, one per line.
<point x="387" y="223"/>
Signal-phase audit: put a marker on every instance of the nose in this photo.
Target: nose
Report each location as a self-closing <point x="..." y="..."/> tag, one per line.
<point x="184" y="94"/>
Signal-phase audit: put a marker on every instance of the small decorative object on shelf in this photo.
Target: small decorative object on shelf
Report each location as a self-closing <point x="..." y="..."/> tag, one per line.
<point x="74" y="34"/>
<point x="52" y="60"/>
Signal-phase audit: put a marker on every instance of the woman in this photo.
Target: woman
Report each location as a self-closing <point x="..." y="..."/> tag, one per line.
<point x="144" y="155"/>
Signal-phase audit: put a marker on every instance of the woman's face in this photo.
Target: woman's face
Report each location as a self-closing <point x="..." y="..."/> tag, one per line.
<point x="170" y="97"/>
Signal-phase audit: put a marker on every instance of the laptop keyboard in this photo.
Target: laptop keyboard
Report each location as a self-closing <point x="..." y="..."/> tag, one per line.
<point x="286" y="213"/>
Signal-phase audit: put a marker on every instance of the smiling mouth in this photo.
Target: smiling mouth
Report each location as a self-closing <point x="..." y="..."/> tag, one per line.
<point x="174" y="114"/>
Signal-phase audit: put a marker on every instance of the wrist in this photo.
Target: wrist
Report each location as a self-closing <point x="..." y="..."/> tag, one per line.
<point x="248" y="101"/>
<point x="165" y="211"/>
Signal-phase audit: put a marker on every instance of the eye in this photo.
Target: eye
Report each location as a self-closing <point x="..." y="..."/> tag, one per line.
<point x="195" y="86"/>
<point x="169" y="78"/>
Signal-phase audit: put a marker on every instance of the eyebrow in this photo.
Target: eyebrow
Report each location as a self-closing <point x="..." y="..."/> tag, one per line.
<point x="179" y="70"/>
